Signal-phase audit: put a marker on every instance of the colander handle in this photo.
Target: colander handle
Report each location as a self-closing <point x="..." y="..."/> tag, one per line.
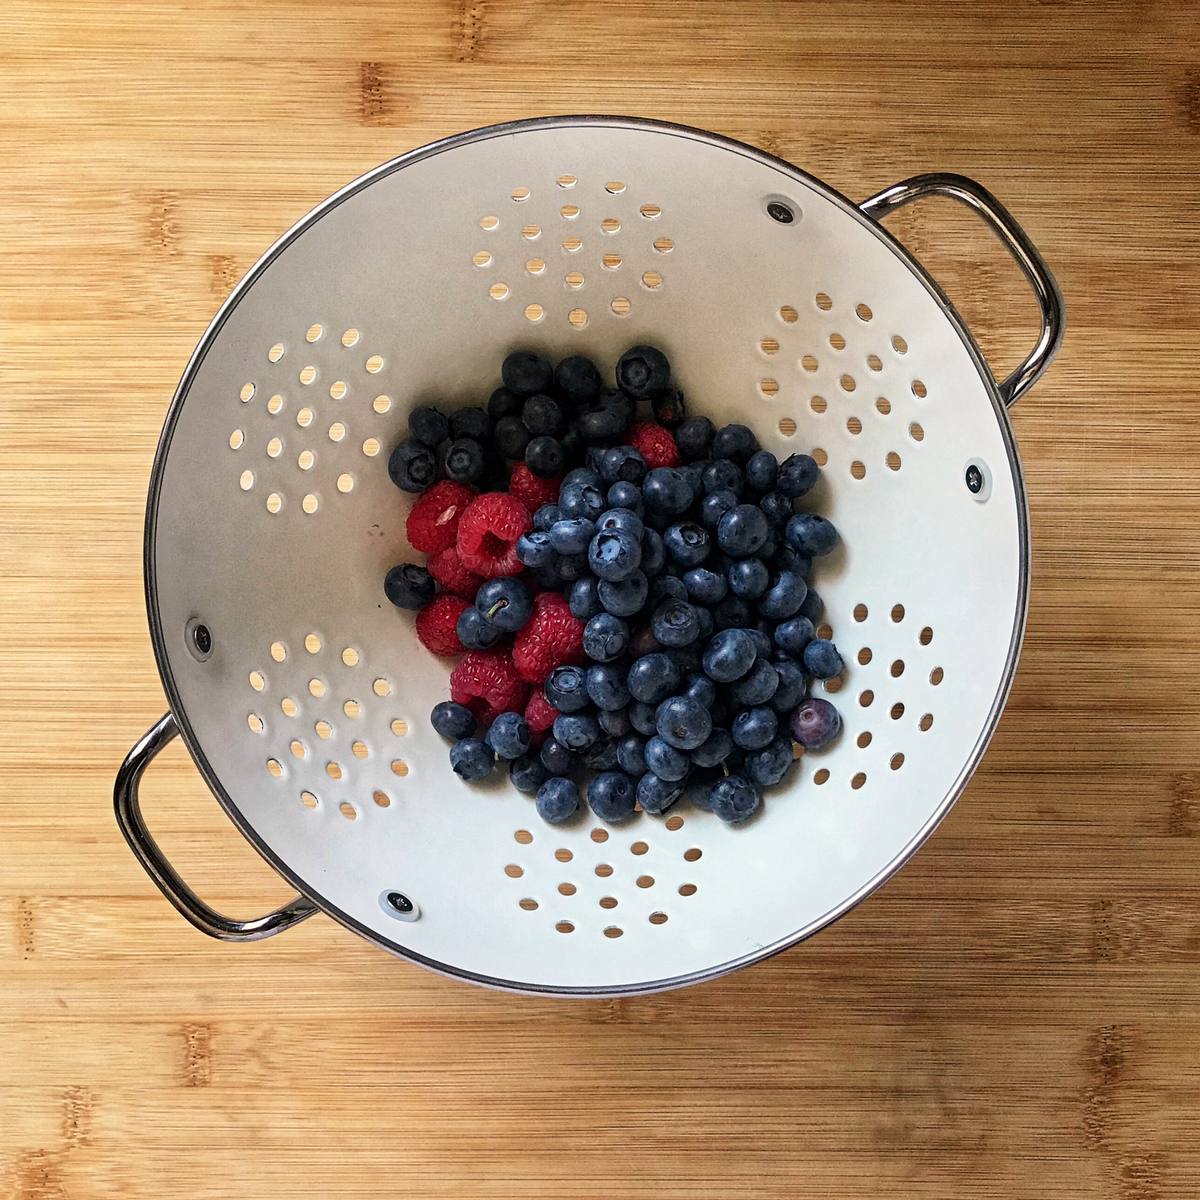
<point x="167" y="879"/>
<point x="1016" y="241"/>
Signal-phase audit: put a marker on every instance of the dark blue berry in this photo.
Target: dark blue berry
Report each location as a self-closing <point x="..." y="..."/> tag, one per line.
<point x="682" y="722"/>
<point x="653" y="678"/>
<point x="641" y="717"/>
<point x="722" y="476"/>
<point x="761" y="470"/>
<point x="667" y="491"/>
<point x="503" y="403"/>
<point x="784" y="597"/>
<point x="620" y="518"/>
<point x="748" y="578"/>
<point x="452" y="720"/>
<point x="601" y="755"/>
<point x="545" y="516"/>
<point x="509" y="735"/>
<point x="611" y="796"/>
<point x="525" y="373"/>
<point x="577" y="379"/>
<point x="463" y="461"/>
<point x="614" y="554"/>
<point x="694" y="438"/>
<point x="668" y="408"/>
<point x="605" y="637"/>
<point x="581" y="499"/>
<point x="715" y="748"/>
<point x="527" y="773"/>
<point x="705" y="586"/>
<point x="675" y="623"/>
<point x="787" y="559"/>
<point x="777" y="508"/>
<point x="821" y="659"/>
<point x="542" y="416"/>
<point x="583" y="599"/>
<point x="571" y="535"/>
<point x="581" y="477"/>
<point x="557" y="800"/>
<point x="412" y="467"/>
<point x="815" y="723"/>
<point x="606" y="687"/>
<point x="792" y="635"/>
<point x="571" y="567"/>
<point x="797" y="474"/>
<point x="654" y="552"/>
<point x="427" y="425"/>
<point x="631" y="756"/>
<point x="732" y="613"/>
<point x="475" y="631"/>
<point x="624" y="597"/>
<point x="544" y="457"/>
<point x="754" y="728"/>
<point x="687" y="543"/>
<point x="729" y="655"/>
<point x="735" y="442"/>
<point x="615" y="723"/>
<point x="600" y="424"/>
<point x="557" y="759"/>
<point x="701" y="689"/>
<point x="505" y="602"/>
<point x="656" y="794"/>
<point x="622" y="464"/>
<point x="472" y="423"/>
<point x="698" y="793"/>
<point x="811" y="534"/>
<point x="471" y="759"/>
<point x="534" y="549"/>
<point x="813" y="605"/>
<point x="758" y="686"/>
<point x="625" y="495"/>
<point x="742" y="531"/>
<point x="511" y="437"/>
<point x="576" y="731"/>
<point x="566" y="689"/>
<point x="643" y="372"/>
<point x="763" y="646"/>
<point x="664" y="760"/>
<point x="408" y="586"/>
<point x="792" y="684"/>
<point x="666" y="587"/>
<point x="734" y="799"/>
<point x="707" y="624"/>
<point x="767" y="767"/>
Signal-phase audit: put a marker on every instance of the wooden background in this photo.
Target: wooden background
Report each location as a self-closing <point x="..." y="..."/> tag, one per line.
<point x="1014" y="1015"/>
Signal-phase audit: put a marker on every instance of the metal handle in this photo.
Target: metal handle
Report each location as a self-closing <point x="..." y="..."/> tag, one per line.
<point x="1016" y="241"/>
<point x="129" y="818"/>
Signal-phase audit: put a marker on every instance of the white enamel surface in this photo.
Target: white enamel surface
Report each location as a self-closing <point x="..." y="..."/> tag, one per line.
<point x="394" y="261"/>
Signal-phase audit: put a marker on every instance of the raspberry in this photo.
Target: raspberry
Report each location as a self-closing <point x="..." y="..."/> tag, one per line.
<point x="447" y="569"/>
<point x="532" y="490"/>
<point x="551" y="637"/>
<point x="487" y="534"/>
<point x="433" y="523"/>
<point x="487" y="683"/>
<point x="654" y="443"/>
<point x="539" y="716"/>
<point x="436" y="625"/>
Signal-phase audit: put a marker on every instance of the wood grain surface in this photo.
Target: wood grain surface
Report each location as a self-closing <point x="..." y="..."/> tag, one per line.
<point x="1015" y="1015"/>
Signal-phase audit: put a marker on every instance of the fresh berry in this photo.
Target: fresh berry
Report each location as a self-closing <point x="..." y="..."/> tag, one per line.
<point x="545" y="516"/>
<point x="487" y="683"/>
<point x="742" y="531"/>
<point x="682" y="722"/>
<point x="471" y="423"/>
<point x="436" y="625"/>
<point x="428" y="426"/>
<point x="748" y="578"/>
<point x="785" y="596"/>
<point x="625" y="496"/>
<point x="582" y="499"/>
<point x="557" y="800"/>
<point x="687" y="543"/>
<point x="762" y="469"/>
<point x="653" y="678"/>
<point x="611" y="796"/>
<point x="584" y="600"/>
<point x="734" y="799"/>
<point x="576" y="731"/>
<point x="613" y="554"/>
<point x="622" y="464"/>
<point x="722" y="476"/>
<point x="753" y="728"/>
<point x="792" y="685"/>
<point x="792" y="635"/>
<point x="815" y="723"/>
<point x="412" y="466"/>
<point x="524" y="373"/>
<point x="542" y="416"/>
<point x="475" y="631"/>
<point x="694" y="438"/>
<point x="642" y="718"/>
<point x="566" y="689"/>
<point x="777" y="508"/>
<point x="472" y="759"/>
<point x="698" y="793"/>
<point x="539" y="715"/>
<point x="729" y="655"/>
<point x="570" y="567"/>
<point x="606" y="687"/>
<point x="509" y="735"/>
<point x="797" y="475"/>
<point x="488" y="531"/>
<point x="656" y="794"/>
<point x="447" y="568"/>
<point x="620" y="518"/>
<point x="532" y="490"/>
<point x="654" y="552"/>
<point x="813" y="605"/>
<point x="557" y="759"/>
<point x="668" y="408"/>
<point x="577" y="379"/>
<point x="701" y="689"/>
<point x="534" y="549"/>
<point x="763" y="646"/>
<point x="601" y="755"/>
<point x="675" y="623"/>
<point x="463" y="461"/>
<point x="528" y="774"/>
<point x="615" y="722"/>
<point x="811" y="534"/>
<point x="756" y="687"/>
<point x="572" y="535"/>
<point x="552" y="636"/>
<point x="821" y="659"/>
<point x="503" y="403"/>
<point x="643" y="372"/>
<point x="452" y="720"/>
<point x="605" y="637"/>
<point x="667" y="491"/>
<point x="409" y="586"/>
<point x="736" y="442"/>
<point x="511" y="437"/>
<point x="631" y="756"/>
<point x="505" y="602"/>
<point x="715" y="748"/>
<point x="544" y="456"/>
<point x="655" y="445"/>
<point x="432" y="524"/>
<point x="767" y="767"/>
<point x="705" y="586"/>
<point x="665" y="587"/>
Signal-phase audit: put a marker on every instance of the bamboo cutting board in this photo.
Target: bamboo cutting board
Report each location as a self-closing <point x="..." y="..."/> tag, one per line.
<point x="1014" y="1015"/>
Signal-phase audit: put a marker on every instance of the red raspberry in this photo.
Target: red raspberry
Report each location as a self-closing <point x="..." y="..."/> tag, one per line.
<point x="488" y="684"/>
<point x="436" y="625"/>
<point x="488" y="532"/>
<point x="532" y="490"/>
<point x="447" y="569"/>
<point x="551" y="637"/>
<point x="654" y="443"/>
<point x="433" y="522"/>
<point x="539" y="716"/>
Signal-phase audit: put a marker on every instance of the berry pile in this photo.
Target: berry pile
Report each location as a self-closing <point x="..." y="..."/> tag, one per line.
<point x="629" y="596"/>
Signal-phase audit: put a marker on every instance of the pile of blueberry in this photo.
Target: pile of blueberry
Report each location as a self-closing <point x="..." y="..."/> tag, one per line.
<point x="631" y="599"/>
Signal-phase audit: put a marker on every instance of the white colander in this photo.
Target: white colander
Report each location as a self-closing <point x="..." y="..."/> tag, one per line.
<point x="304" y="696"/>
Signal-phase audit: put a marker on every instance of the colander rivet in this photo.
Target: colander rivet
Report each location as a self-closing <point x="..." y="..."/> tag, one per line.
<point x="974" y="479"/>
<point x="400" y="902"/>
<point x="780" y="212"/>
<point x="202" y="639"/>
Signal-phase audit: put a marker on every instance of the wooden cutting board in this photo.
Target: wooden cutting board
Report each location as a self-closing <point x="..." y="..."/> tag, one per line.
<point x="1015" y="1015"/>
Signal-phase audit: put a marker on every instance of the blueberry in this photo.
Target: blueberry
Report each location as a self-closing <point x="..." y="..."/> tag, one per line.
<point x="729" y="655"/>
<point x="663" y="588"/>
<point x="668" y="408"/>
<point x="641" y="717"/>
<point x="557" y="759"/>
<point x="813" y="605"/>
<point x="581" y="477"/>
<point x="472" y="423"/>
<point x="581" y="500"/>
<point x="761" y="470"/>
<point x="797" y="474"/>
<point x="742" y="531"/>
<point x="511" y="437"/>
<point x="715" y="748"/>
<point x="754" y="728"/>
<point x="625" y="495"/>
<point x="656" y="794"/>
<point x="601" y="755"/>
<point x="427" y="425"/>
<point x="503" y="403"/>
<point x="542" y="416"/>
<point x="675" y="623"/>
<point x="763" y="646"/>
<point x="698" y="793"/>
<point x="821" y="659"/>
<point x="571" y="567"/>
<point x="682" y="722"/>
<point x="452" y="720"/>
<point x="665" y="760"/>
<point x="566" y="689"/>
<point x="694" y="438"/>
<point x="722" y="476"/>
<point x="527" y="773"/>
<point x="620" y="518"/>
<point x="534" y="549"/>
<point x="545" y="516"/>
<point x="767" y="767"/>
<point x="615" y="723"/>
<point x="505" y="602"/>
<point x="748" y="578"/>
<point x="606" y="687"/>
<point x="475" y="631"/>
<point x="509" y="735"/>
<point x="577" y="379"/>
<point x="571" y="443"/>
<point x="463" y="461"/>
<point x="557" y="800"/>
<point x="544" y="457"/>
<point x="777" y="508"/>
<point x="734" y="798"/>
<point x="792" y="684"/>
<point x="624" y="597"/>
<point x="622" y="464"/>
<point x="653" y="678"/>
<point x="705" y="586"/>
<point x="687" y="543"/>
<point x="666" y="490"/>
<point x="576" y="731"/>
<point x="654" y="552"/>
<point x="619" y="402"/>
<point x="792" y="635"/>
<point x="735" y="442"/>
<point x="815" y="723"/>
<point x="784" y="597"/>
<point x="583" y="598"/>
<point x="614" y="554"/>
<point x="811" y="534"/>
<point x="631" y="757"/>
<point x="572" y="535"/>
<point x="611" y="796"/>
<point x="701" y="689"/>
<point x="605" y="637"/>
<point x="707" y="624"/>
<point x="758" y="686"/>
<point x="643" y="372"/>
<point x="408" y="586"/>
<point x="471" y="759"/>
<point x="412" y="467"/>
<point x="524" y="373"/>
<point x="732" y="613"/>
<point x="601" y="424"/>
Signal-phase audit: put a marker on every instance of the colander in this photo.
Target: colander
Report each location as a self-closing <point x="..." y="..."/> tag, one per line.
<point x="304" y="697"/>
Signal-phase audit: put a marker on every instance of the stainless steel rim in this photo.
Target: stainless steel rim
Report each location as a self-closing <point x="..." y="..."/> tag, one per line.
<point x="158" y="637"/>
